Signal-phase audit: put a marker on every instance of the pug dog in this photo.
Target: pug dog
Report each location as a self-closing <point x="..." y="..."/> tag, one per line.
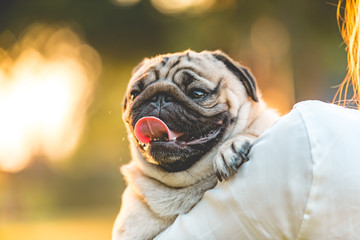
<point x="191" y="118"/>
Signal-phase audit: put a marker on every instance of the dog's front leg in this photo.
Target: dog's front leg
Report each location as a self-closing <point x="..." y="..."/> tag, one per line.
<point x="231" y="155"/>
<point x="136" y="221"/>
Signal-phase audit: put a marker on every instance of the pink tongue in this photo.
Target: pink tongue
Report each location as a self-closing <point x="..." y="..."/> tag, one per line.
<point x="150" y="128"/>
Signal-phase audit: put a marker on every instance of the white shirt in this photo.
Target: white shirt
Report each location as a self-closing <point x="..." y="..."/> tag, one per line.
<point x="302" y="182"/>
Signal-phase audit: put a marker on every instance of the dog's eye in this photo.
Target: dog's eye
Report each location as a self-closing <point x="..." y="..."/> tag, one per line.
<point x="134" y="94"/>
<point x="197" y="93"/>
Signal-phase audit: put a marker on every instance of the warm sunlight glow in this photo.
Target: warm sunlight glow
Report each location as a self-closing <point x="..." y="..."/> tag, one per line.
<point x="46" y="83"/>
<point x="178" y="6"/>
<point x="270" y="37"/>
<point x="125" y="3"/>
<point x="349" y="25"/>
<point x="271" y="41"/>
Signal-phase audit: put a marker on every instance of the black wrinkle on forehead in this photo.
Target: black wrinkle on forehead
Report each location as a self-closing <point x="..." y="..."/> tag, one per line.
<point x="218" y="86"/>
<point x="164" y="61"/>
<point x="164" y="65"/>
<point x="157" y="73"/>
<point x="188" y="78"/>
<point x="188" y="56"/>
<point x="176" y="62"/>
<point x="156" y="70"/>
<point x="173" y="65"/>
<point x="141" y="84"/>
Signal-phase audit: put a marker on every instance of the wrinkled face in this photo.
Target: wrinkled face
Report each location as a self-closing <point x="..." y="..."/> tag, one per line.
<point x="177" y="106"/>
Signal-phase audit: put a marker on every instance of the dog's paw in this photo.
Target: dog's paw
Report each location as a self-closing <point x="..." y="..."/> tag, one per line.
<point x="232" y="154"/>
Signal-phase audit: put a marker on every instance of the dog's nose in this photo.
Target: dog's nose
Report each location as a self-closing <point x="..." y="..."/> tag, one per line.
<point x="161" y="99"/>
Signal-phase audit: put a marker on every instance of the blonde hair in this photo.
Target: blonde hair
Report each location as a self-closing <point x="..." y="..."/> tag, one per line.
<point x="349" y="25"/>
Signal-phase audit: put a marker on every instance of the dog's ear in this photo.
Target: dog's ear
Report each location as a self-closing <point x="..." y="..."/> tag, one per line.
<point x="124" y="103"/>
<point x="240" y="72"/>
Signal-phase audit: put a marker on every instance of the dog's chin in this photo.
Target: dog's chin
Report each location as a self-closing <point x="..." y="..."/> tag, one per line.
<point x="182" y="153"/>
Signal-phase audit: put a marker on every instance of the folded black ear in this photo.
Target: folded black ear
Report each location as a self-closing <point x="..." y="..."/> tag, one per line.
<point x="135" y="69"/>
<point x="124" y="103"/>
<point x="240" y="72"/>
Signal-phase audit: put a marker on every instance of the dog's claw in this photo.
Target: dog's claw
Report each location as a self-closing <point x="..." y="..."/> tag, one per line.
<point x="232" y="155"/>
<point x="218" y="175"/>
<point x="244" y="157"/>
<point x="235" y="166"/>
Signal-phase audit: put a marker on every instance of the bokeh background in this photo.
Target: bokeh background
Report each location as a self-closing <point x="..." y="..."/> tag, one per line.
<point x="64" y="66"/>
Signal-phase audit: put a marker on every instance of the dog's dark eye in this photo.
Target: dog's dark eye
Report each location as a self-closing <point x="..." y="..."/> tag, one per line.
<point x="197" y="93"/>
<point x="134" y="94"/>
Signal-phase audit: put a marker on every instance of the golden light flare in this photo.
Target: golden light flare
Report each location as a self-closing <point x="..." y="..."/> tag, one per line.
<point x="270" y="37"/>
<point x="273" y="67"/>
<point x="179" y="6"/>
<point x="125" y="3"/>
<point x="46" y="85"/>
<point x="349" y="25"/>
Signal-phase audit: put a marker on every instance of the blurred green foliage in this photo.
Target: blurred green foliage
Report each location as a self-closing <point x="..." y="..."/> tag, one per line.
<point x="90" y="179"/>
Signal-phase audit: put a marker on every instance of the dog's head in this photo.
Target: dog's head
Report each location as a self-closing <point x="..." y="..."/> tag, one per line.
<point x="178" y="107"/>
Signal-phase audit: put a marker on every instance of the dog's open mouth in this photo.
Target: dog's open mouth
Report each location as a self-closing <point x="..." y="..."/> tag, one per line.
<point x="149" y="130"/>
<point x="176" y="151"/>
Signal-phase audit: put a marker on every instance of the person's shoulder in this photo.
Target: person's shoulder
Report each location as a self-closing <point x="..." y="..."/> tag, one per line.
<point x="324" y="119"/>
<point x="312" y="126"/>
<point x="327" y="129"/>
<point x="320" y="111"/>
